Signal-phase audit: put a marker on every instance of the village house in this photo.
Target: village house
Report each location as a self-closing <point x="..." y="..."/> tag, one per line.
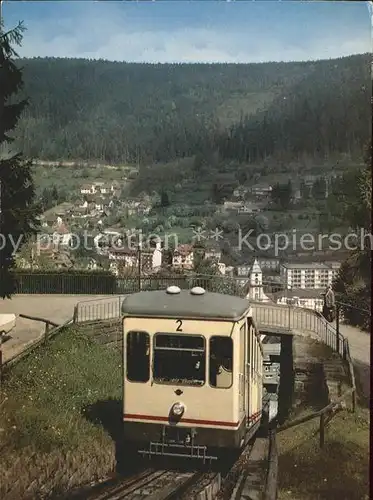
<point x="300" y="297"/>
<point x="240" y="192"/>
<point x="100" y="187"/>
<point x="232" y="206"/>
<point x="183" y="257"/>
<point x="104" y="189"/>
<point x="61" y="236"/>
<point x="106" y="238"/>
<point x="212" y="252"/>
<point x="243" y="274"/>
<point x="127" y="256"/>
<point x="80" y="212"/>
<point x="269" y="264"/>
<point x="250" y="207"/>
<point x="144" y="208"/>
<point x="88" y="189"/>
<point x="222" y="268"/>
<point x="151" y="258"/>
<point x="261" y="190"/>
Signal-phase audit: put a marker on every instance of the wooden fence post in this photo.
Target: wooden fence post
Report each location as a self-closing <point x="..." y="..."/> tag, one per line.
<point x="46" y="334"/>
<point x="1" y="364"/>
<point x="337" y="327"/>
<point x="75" y="316"/>
<point x="322" y="430"/>
<point x="353" y="397"/>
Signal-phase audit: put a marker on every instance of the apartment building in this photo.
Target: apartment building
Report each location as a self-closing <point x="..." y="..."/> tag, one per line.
<point x="309" y="275"/>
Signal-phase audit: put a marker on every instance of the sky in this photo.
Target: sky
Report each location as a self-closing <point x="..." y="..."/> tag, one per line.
<point x="192" y="31"/>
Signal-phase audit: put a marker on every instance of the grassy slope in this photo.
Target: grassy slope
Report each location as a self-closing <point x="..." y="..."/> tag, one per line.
<point x="339" y="471"/>
<point x="52" y="400"/>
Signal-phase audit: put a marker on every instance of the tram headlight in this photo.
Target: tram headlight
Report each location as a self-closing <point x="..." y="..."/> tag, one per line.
<point x="178" y="409"/>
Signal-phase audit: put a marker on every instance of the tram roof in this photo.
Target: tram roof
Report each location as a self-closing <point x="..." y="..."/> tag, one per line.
<point x="185" y="305"/>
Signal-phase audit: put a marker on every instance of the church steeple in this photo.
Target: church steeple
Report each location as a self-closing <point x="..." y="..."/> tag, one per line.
<point x="256" y="282"/>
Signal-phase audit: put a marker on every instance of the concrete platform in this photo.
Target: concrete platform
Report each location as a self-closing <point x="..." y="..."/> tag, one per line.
<point x="57" y="308"/>
<point x="7" y="322"/>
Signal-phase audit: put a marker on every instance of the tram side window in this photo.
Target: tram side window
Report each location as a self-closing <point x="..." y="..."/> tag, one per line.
<point x="221" y="362"/>
<point x="138" y="356"/>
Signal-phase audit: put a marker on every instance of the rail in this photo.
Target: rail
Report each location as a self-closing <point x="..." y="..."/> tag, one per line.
<point x="270" y="491"/>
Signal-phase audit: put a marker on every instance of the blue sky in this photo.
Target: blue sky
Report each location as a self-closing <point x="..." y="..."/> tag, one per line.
<point x="204" y="31"/>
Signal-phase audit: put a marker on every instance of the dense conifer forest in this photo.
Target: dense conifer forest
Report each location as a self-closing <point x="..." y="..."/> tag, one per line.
<point x="123" y="113"/>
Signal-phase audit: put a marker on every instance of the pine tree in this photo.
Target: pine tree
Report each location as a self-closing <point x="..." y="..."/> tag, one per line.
<point x="353" y="283"/>
<point x="18" y="214"/>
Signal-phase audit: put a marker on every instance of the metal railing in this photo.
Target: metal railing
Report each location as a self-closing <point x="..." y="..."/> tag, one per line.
<point x="98" y="309"/>
<point x="268" y="316"/>
<point x="299" y="320"/>
<point x="101" y="283"/>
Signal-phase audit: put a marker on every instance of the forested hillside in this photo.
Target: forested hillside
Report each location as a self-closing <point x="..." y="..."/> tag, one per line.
<point x="120" y="112"/>
<point x="327" y="113"/>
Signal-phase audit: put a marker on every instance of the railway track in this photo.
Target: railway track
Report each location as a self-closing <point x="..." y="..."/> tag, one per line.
<point x="238" y="480"/>
<point x="150" y="484"/>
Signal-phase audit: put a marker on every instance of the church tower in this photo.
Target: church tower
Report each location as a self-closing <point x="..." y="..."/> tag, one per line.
<point x="256" y="282"/>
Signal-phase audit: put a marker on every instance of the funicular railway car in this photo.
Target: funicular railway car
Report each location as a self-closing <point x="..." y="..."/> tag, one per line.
<point x="193" y="369"/>
<point x="271" y="366"/>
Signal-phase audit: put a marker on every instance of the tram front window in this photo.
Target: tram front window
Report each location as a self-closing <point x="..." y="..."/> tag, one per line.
<point x="179" y="359"/>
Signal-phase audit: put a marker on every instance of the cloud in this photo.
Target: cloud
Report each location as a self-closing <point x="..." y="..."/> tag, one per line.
<point x="112" y="34"/>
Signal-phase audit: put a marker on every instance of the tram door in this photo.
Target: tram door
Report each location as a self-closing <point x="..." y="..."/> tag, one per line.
<point x="248" y="349"/>
<point x="247" y="368"/>
<point x="243" y="368"/>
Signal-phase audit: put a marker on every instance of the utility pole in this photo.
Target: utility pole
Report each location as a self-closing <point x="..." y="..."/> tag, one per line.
<point x="139" y="263"/>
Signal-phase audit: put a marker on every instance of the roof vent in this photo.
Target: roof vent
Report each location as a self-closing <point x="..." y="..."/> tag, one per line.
<point x="173" y="290"/>
<point x="197" y="290"/>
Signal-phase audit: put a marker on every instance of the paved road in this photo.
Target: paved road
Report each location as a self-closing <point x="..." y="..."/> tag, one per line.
<point x="57" y="308"/>
<point x="359" y="342"/>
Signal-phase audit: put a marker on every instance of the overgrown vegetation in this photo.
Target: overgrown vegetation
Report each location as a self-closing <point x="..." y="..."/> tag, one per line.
<point x="53" y="404"/>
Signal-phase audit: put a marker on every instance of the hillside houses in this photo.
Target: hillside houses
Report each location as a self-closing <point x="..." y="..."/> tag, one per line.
<point x="183" y="257"/>
<point x="261" y="190"/>
<point x="123" y="259"/>
<point x="212" y="252"/>
<point x="103" y="188"/>
<point x="243" y="207"/>
<point x="61" y="236"/>
<point x="240" y="192"/>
